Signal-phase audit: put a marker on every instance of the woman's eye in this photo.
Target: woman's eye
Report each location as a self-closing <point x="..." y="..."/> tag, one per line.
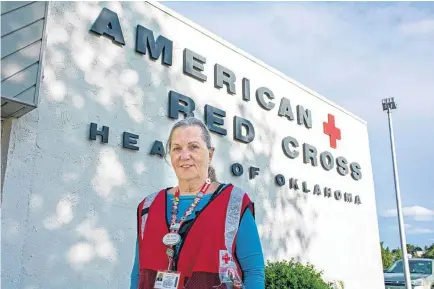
<point x="176" y="149"/>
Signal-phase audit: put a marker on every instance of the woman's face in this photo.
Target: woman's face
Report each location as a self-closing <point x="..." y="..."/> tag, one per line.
<point x="189" y="154"/>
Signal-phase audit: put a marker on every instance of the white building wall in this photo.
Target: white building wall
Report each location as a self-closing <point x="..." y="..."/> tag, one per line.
<point x="69" y="203"/>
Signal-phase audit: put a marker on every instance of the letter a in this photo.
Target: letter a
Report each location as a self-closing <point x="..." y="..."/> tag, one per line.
<point x="108" y="24"/>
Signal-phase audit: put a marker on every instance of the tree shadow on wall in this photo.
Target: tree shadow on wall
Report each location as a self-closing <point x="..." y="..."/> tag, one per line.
<point x="79" y="225"/>
<point x="285" y="226"/>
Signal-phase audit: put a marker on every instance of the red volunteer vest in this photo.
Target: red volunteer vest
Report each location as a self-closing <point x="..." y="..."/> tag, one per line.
<point x="214" y="229"/>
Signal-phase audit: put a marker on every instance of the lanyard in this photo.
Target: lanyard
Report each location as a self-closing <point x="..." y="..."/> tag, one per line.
<point x="174" y="226"/>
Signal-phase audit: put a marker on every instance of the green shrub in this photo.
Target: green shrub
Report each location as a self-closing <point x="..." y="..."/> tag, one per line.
<point x="293" y="275"/>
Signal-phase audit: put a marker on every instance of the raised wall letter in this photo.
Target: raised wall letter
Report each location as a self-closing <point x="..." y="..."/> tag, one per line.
<point x="327" y="161"/>
<point x="104" y="133"/>
<point x="342" y="166"/>
<point x="130" y="140"/>
<point x="338" y="195"/>
<point x="108" y="24"/>
<point x="253" y="172"/>
<point x="145" y="39"/>
<point x="285" y="109"/>
<point x="348" y="197"/>
<point x="157" y="149"/>
<point x="246" y="89"/>
<point x="237" y="169"/>
<point x="240" y="122"/>
<point x="175" y="107"/>
<point x="327" y="192"/>
<point x="260" y="98"/>
<point x="309" y="154"/>
<point x="285" y="146"/>
<point x="212" y="117"/>
<point x="280" y="180"/>
<point x="193" y="65"/>
<point x="356" y="171"/>
<point x="226" y="76"/>
<point x="316" y="190"/>
<point x="304" y="116"/>
<point x="293" y="184"/>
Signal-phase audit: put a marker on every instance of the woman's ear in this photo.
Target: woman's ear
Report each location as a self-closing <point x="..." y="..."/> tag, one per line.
<point x="211" y="154"/>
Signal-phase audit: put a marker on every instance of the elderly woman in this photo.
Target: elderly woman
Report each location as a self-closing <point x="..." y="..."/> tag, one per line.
<point x="200" y="234"/>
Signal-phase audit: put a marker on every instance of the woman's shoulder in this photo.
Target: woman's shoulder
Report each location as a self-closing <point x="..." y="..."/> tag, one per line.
<point x="149" y="198"/>
<point x="238" y="189"/>
<point x="234" y="190"/>
<point x="169" y="190"/>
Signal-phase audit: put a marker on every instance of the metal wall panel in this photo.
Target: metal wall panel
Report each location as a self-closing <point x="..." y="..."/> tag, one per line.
<point x="22" y="43"/>
<point x="20" y="82"/>
<point x="22" y="38"/>
<point x="20" y="60"/>
<point x="8" y="6"/>
<point x="19" y="18"/>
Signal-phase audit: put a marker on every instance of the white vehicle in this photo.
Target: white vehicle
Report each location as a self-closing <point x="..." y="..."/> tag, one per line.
<point x="421" y="274"/>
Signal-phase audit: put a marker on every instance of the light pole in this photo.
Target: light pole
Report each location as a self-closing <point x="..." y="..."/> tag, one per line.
<point x="388" y="105"/>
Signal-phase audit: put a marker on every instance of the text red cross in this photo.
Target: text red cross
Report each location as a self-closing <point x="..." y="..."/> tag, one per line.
<point x="332" y="131"/>
<point x="226" y="258"/>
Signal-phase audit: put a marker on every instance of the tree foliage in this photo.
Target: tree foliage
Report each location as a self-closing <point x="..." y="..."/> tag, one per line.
<point x="386" y="256"/>
<point x="293" y="275"/>
<point x="389" y="256"/>
<point x="411" y="249"/>
<point x="429" y="251"/>
<point x="397" y="254"/>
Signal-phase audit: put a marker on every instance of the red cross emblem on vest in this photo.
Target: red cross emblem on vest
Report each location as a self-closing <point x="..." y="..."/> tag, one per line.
<point x="331" y="130"/>
<point x="226" y="258"/>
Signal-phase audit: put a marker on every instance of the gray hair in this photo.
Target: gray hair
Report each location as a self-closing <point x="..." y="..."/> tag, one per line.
<point x="206" y="137"/>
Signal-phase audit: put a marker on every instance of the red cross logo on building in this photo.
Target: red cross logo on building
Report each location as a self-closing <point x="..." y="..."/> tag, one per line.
<point x="331" y="130"/>
<point x="226" y="258"/>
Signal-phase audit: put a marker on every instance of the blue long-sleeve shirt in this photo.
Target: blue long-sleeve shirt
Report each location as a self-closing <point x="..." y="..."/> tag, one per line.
<point x="248" y="246"/>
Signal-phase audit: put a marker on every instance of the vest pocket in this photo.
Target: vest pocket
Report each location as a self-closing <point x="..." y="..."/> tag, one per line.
<point x="147" y="279"/>
<point x="204" y="280"/>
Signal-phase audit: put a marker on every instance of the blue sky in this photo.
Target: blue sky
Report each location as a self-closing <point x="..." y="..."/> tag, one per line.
<point x="355" y="54"/>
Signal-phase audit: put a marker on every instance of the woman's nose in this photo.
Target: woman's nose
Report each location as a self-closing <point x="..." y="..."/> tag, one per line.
<point x="185" y="155"/>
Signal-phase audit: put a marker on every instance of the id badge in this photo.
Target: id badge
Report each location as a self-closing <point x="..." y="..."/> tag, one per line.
<point x="167" y="280"/>
<point x="228" y="271"/>
<point x="230" y="277"/>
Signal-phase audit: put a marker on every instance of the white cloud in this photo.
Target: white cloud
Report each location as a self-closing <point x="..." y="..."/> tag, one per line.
<point x="396" y="228"/>
<point x="337" y="49"/>
<point x="422" y="27"/>
<point x="354" y="54"/>
<point x="411" y="230"/>
<point x="417" y="231"/>
<point x="417" y="212"/>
